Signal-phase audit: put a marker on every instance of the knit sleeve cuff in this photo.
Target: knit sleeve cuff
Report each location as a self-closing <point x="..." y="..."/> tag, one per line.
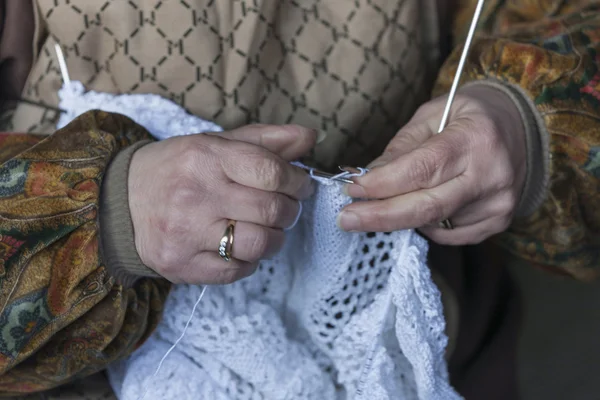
<point x="116" y="228"/>
<point x="538" y="153"/>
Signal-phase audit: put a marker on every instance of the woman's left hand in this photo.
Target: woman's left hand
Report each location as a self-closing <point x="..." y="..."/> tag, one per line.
<point x="472" y="173"/>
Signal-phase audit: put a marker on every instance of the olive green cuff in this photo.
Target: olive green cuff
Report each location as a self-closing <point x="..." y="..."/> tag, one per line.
<point x="117" y="237"/>
<point x="537" y="178"/>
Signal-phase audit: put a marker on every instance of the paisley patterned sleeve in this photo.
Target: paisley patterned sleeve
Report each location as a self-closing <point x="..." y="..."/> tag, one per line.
<point x="547" y="52"/>
<point x="63" y="314"/>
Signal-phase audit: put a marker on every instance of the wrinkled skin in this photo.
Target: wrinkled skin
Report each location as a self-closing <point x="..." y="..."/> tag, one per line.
<point x="473" y="172"/>
<point x="181" y="209"/>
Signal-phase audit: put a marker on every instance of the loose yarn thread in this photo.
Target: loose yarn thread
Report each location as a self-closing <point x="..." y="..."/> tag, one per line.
<point x="345" y="174"/>
<point x="419" y="316"/>
<point x="300" y="207"/>
<point x="311" y="172"/>
<point x="362" y="171"/>
<point x="185" y="328"/>
<point x="334" y="178"/>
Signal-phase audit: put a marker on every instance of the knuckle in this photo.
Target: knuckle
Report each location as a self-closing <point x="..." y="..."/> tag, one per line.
<point x="187" y="157"/>
<point x="259" y="244"/>
<point x="168" y="223"/>
<point x="505" y="178"/>
<point x="506" y="212"/>
<point x="166" y="253"/>
<point x="270" y="172"/>
<point x="190" y="152"/>
<point x="424" y="167"/>
<point x="506" y="204"/>
<point x="431" y="210"/>
<point x="201" y="153"/>
<point x="166" y="258"/>
<point x="181" y="186"/>
<point x="273" y="211"/>
<point x="182" y="193"/>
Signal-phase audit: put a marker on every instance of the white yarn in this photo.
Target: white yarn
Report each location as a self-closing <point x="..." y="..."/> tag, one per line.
<point x="174" y="346"/>
<point x="334" y="316"/>
<point x="158" y="115"/>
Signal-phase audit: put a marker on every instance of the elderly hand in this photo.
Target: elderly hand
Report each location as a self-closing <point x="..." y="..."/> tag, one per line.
<point x="183" y="191"/>
<point x="473" y="172"/>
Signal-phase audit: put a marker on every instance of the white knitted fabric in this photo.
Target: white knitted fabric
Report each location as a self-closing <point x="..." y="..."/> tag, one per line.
<point x="333" y="316"/>
<point x="159" y="116"/>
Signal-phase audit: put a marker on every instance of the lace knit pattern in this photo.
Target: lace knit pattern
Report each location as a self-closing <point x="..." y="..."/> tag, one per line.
<point x="334" y="315"/>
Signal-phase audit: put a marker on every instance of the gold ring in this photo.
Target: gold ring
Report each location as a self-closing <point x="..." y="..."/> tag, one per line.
<point x="446" y="224"/>
<point x="226" y="243"/>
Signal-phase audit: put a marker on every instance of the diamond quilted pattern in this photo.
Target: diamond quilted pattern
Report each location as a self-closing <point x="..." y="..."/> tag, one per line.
<point x="355" y="69"/>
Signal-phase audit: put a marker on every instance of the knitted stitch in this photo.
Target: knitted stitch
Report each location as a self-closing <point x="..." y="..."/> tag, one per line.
<point x="334" y="315"/>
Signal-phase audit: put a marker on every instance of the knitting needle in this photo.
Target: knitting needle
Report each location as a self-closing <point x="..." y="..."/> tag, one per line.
<point x="457" y="77"/>
<point x="62" y="64"/>
<point x="461" y="65"/>
<point x="326" y="175"/>
<point x="447" y="224"/>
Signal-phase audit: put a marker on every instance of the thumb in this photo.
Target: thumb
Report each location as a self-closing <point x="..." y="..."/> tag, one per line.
<point x="289" y="142"/>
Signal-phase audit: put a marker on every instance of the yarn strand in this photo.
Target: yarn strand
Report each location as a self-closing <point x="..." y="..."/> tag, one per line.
<point x="187" y="324"/>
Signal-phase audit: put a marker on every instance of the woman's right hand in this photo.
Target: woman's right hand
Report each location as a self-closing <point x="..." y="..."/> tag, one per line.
<point x="183" y="191"/>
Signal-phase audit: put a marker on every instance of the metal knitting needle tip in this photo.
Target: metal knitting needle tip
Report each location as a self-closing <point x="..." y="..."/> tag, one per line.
<point x="350" y="170"/>
<point x="321" y="174"/>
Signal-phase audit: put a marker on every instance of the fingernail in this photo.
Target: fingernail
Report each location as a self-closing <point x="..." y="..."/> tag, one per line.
<point x="348" y="221"/>
<point x="321" y="136"/>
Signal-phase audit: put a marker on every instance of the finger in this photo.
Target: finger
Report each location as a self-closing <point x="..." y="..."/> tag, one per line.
<point x="499" y="205"/>
<point x="268" y="209"/>
<point x="439" y="160"/>
<point x="210" y="269"/>
<point x="251" y="242"/>
<point x="290" y="142"/>
<point x="466" y="235"/>
<point x="408" y="211"/>
<point x="262" y="170"/>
